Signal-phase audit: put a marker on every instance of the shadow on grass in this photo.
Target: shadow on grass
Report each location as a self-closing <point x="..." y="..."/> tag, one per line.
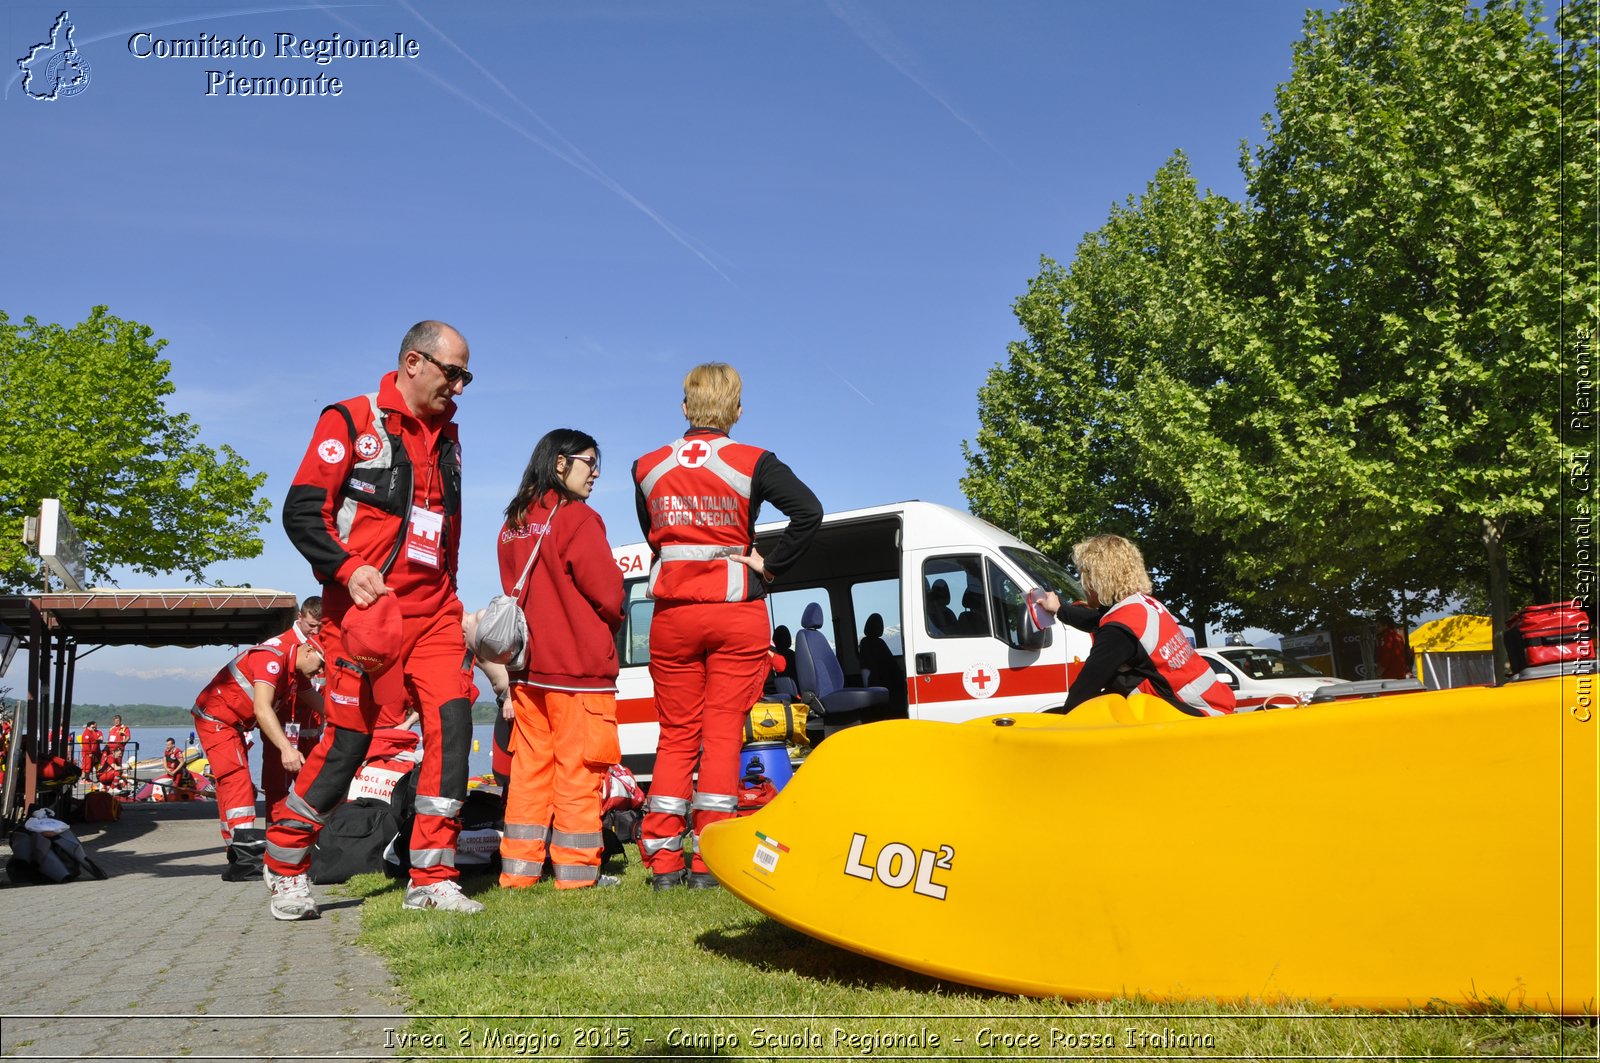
<point x="770" y="946"/>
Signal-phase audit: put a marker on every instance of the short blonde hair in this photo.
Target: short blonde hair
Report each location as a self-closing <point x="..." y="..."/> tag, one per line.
<point x="1112" y="567"/>
<point x="711" y="395"/>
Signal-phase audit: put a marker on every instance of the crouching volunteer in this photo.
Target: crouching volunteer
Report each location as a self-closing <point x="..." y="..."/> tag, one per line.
<point x="375" y="507"/>
<point x="698" y="498"/>
<point x="1137" y="642"/>
<point x="564" y="689"/>
<point x="260" y="688"/>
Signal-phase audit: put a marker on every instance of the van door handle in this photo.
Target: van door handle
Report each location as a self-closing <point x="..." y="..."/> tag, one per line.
<point x="927" y="664"/>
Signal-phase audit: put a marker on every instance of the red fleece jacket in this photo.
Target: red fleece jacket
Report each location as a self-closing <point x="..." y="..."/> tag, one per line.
<point x="573" y="597"/>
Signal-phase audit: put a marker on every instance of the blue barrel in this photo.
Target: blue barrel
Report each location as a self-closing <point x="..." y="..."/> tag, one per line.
<point x="767" y="758"/>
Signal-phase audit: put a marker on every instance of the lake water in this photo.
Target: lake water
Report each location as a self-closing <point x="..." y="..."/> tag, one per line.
<point x="151" y="740"/>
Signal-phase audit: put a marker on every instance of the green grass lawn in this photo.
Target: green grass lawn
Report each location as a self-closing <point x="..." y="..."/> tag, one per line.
<point x="623" y="972"/>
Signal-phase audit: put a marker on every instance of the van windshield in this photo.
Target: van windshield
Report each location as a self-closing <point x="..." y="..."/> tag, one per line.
<point x="1046" y="573"/>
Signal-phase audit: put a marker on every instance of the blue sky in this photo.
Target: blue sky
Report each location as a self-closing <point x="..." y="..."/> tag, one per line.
<point x="840" y="197"/>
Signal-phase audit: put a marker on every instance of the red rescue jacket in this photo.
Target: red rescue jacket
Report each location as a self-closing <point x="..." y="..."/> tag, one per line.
<point x="369" y="463"/>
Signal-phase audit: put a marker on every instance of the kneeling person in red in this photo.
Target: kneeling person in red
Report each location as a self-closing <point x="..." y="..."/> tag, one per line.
<point x="251" y="692"/>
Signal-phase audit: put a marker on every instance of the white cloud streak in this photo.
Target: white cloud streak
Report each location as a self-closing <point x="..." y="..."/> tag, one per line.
<point x="891" y="50"/>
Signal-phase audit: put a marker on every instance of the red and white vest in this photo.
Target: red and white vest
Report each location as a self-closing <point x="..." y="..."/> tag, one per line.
<point x="1191" y="679"/>
<point x="697" y="492"/>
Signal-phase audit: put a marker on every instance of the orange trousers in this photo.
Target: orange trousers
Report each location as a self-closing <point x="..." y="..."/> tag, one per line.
<point x="562" y="745"/>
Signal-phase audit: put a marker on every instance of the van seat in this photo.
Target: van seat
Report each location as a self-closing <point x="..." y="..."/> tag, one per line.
<point x="820" y="676"/>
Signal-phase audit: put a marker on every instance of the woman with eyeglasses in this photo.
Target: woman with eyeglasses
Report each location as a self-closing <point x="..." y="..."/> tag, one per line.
<point x="563" y="704"/>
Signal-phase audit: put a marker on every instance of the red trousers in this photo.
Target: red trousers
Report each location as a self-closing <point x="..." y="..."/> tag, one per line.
<point x="708" y="661"/>
<point x="230" y="768"/>
<point x="228" y="757"/>
<point x="562" y="746"/>
<point x="436" y="670"/>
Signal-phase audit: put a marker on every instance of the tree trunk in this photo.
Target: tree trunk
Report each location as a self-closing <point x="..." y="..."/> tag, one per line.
<point x="1499" y="601"/>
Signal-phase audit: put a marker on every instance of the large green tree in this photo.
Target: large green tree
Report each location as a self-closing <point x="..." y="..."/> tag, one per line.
<point x="1405" y="298"/>
<point x="83" y="418"/>
<point x="1367" y="407"/>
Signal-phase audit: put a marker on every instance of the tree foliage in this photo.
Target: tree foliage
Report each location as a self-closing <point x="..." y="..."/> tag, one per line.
<point x="83" y="418"/>
<point x="1352" y="394"/>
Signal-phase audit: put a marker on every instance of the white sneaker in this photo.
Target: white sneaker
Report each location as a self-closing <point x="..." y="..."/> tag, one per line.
<point x="445" y="895"/>
<point x="291" y="897"/>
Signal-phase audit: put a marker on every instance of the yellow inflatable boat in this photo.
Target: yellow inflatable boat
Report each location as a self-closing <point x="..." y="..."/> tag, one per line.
<point x="1429" y="849"/>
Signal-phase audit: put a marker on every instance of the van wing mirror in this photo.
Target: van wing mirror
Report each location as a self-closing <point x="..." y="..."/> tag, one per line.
<point x="1227" y="677"/>
<point x="1031" y="633"/>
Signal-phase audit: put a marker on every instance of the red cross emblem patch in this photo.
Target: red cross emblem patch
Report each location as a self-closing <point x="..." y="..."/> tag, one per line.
<point x="331" y="451"/>
<point x="367" y="447"/>
<point x="693" y="454"/>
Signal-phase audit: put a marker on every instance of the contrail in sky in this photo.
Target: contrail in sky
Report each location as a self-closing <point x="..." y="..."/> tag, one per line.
<point x="851" y="386"/>
<point x="882" y="40"/>
<point x="567" y="152"/>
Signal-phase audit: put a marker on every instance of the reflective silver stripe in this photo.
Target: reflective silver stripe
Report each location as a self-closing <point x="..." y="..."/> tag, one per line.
<point x="242" y="812"/>
<point x="592" y="840"/>
<point x="433" y="858"/>
<point x="297" y="804"/>
<point x="238" y="676"/>
<point x="1194" y="694"/>
<point x="672" y="806"/>
<point x="285" y="855"/>
<point x="437" y="806"/>
<point x="650" y="478"/>
<point x="725" y="472"/>
<point x="684" y="552"/>
<point x="525" y="868"/>
<point x="576" y="872"/>
<point x="737" y="571"/>
<point x="527" y="832"/>
<point x="652" y="846"/>
<point x="345" y="516"/>
<point x="1150" y="635"/>
<point x="715" y="803"/>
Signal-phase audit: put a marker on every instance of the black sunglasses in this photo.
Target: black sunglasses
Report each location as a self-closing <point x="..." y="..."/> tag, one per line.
<point x="452" y="373"/>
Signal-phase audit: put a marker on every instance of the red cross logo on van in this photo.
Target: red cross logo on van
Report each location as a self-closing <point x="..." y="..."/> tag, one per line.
<point x="980" y="681"/>
<point x="693" y="454"/>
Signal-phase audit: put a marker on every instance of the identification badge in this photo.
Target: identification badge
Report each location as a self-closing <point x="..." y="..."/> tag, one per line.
<point x="291" y="731"/>
<point x="422" y="537"/>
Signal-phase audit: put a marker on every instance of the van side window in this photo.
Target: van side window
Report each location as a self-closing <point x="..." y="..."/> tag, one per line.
<point x="1007" y="602"/>
<point x="633" y="637"/>
<point x="787" y="607"/>
<point x="953" y="598"/>
<point x="881" y="597"/>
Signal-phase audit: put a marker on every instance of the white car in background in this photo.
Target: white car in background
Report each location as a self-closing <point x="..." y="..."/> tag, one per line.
<point x="1266" y="679"/>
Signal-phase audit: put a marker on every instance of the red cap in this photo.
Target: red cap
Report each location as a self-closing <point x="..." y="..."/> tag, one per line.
<point x="373" y="638"/>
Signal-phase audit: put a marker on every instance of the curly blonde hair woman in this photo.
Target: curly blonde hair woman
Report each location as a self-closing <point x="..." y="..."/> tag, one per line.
<point x="1137" y="642"/>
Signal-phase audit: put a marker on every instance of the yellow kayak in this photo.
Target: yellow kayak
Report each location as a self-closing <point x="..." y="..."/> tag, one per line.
<point x="1388" y="853"/>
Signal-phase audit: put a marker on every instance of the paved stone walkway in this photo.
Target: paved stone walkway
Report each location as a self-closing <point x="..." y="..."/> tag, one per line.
<point x="184" y="965"/>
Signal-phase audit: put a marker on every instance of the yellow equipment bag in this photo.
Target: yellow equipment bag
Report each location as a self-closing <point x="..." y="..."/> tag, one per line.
<point x="776" y="721"/>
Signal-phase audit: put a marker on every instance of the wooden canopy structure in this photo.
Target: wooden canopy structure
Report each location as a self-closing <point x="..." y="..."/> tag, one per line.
<point x="52" y="628"/>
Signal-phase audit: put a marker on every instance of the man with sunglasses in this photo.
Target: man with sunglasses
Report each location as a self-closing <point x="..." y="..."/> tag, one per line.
<point x="376" y="509"/>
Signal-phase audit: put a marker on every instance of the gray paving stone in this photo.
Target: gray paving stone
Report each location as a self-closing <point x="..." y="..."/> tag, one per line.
<point x="164" y="960"/>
